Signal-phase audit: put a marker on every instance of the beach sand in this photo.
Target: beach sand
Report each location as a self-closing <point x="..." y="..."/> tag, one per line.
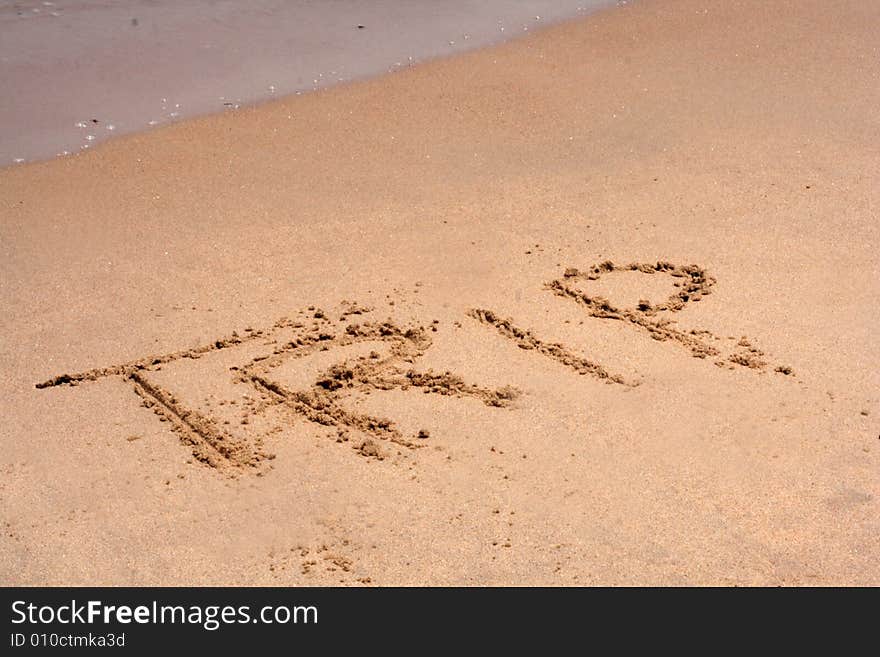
<point x="366" y="335"/>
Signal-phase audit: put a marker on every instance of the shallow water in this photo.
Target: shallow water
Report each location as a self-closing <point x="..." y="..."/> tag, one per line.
<point x="79" y="71"/>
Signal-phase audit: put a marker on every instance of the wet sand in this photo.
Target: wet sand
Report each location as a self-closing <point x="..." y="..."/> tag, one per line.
<point x="591" y="307"/>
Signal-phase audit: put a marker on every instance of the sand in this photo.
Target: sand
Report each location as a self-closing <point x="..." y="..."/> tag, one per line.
<point x="590" y="307"/>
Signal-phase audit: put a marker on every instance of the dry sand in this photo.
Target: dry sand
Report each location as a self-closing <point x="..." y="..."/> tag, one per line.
<point x="367" y="335"/>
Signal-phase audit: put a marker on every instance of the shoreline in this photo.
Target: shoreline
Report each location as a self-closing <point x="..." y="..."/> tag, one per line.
<point x="133" y="66"/>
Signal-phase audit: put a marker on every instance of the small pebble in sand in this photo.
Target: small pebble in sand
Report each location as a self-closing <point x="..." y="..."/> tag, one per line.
<point x="423" y="434"/>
